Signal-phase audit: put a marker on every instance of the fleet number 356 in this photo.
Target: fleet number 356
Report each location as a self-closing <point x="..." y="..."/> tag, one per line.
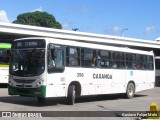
<point x="80" y="75"/>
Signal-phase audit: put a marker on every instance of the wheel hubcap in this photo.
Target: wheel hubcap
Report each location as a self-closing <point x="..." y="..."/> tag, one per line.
<point x="130" y="91"/>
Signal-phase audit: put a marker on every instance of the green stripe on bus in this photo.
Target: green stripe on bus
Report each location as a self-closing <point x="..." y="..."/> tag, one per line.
<point x="5" y="45"/>
<point x="27" y="91"/>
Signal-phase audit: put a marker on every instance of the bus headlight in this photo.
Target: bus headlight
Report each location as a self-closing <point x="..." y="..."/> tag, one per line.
<point x="39" y="83"/>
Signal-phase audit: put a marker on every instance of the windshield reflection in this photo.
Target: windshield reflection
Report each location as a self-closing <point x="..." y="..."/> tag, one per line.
<point x="27" y="62"/>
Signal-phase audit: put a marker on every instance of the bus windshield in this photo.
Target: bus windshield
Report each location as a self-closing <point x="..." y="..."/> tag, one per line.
<point x="27" y="62"/>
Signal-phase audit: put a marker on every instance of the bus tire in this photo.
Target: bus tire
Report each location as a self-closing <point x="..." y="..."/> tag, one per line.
<point x="71" y="95"/>
<point x="41" y="100"/>
<point x="130" y="90"/>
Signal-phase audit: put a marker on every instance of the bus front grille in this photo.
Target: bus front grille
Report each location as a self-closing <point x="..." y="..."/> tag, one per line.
<point x="23" y="81"/>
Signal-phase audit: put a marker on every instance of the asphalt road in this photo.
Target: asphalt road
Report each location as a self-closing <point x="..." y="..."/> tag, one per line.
<point x="141" y="102"/>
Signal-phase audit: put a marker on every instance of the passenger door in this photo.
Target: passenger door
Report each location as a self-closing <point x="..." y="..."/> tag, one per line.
<point x="56" y="82"/>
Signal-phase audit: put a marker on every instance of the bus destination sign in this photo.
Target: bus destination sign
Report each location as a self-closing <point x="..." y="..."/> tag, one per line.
<point x="29" y="44"/>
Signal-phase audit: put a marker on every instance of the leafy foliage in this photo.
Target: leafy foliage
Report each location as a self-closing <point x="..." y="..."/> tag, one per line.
<point x="38" y="18"/>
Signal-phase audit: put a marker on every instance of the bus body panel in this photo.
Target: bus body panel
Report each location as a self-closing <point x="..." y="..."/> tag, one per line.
<point x="4" y="73"/>
<point x="104" y="83"/>
<point x="84" y="76"/>
<point x="56" y="85"/>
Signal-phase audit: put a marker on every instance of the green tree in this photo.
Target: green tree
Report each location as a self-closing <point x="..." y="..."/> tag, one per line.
<point x="38" y="18"/>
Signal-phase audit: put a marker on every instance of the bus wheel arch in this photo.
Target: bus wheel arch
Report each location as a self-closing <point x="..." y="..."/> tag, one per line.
<point x="131" y="88"/>
<point x="74" y="89"/>
<point x="77" y="87"/>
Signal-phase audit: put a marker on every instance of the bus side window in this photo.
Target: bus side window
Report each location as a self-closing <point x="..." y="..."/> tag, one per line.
<point x="8" y="53"/>
<point x="131" y="61"/>
<point x="118" y="60"/>
<point x="72" y="56"/>
<point x="88" y="57"/>
<point x="104" y="59"/>
<point x="59" y="59"/>
<point x="4" y="55"/>
<point x="55" y="60"/>
<point x="1" y="55"/>
<point x="51" y="58"/>
<point x="150" y="65"/>
<point x="94" y="58"/>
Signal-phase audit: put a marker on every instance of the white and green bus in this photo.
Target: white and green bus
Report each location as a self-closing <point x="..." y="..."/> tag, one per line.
<point x="48" y="67"/>
<point x="4" y="62"/>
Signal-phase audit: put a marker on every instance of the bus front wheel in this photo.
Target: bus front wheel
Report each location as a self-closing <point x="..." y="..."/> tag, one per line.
<point x="71" y="95"/>
<point x="130" y="90"/>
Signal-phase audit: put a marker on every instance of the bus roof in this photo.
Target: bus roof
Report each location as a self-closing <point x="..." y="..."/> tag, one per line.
<point x="5" y="45"/>
<point x="89" y="45"/>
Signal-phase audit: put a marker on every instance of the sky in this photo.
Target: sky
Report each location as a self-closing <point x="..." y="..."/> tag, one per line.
<point x="128" y="18"/>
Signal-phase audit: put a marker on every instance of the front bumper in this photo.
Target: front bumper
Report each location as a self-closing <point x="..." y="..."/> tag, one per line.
<point x="32" y="92"/>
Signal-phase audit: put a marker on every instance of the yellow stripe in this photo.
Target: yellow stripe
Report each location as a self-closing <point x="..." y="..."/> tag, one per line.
<point x="4" y="67"/>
